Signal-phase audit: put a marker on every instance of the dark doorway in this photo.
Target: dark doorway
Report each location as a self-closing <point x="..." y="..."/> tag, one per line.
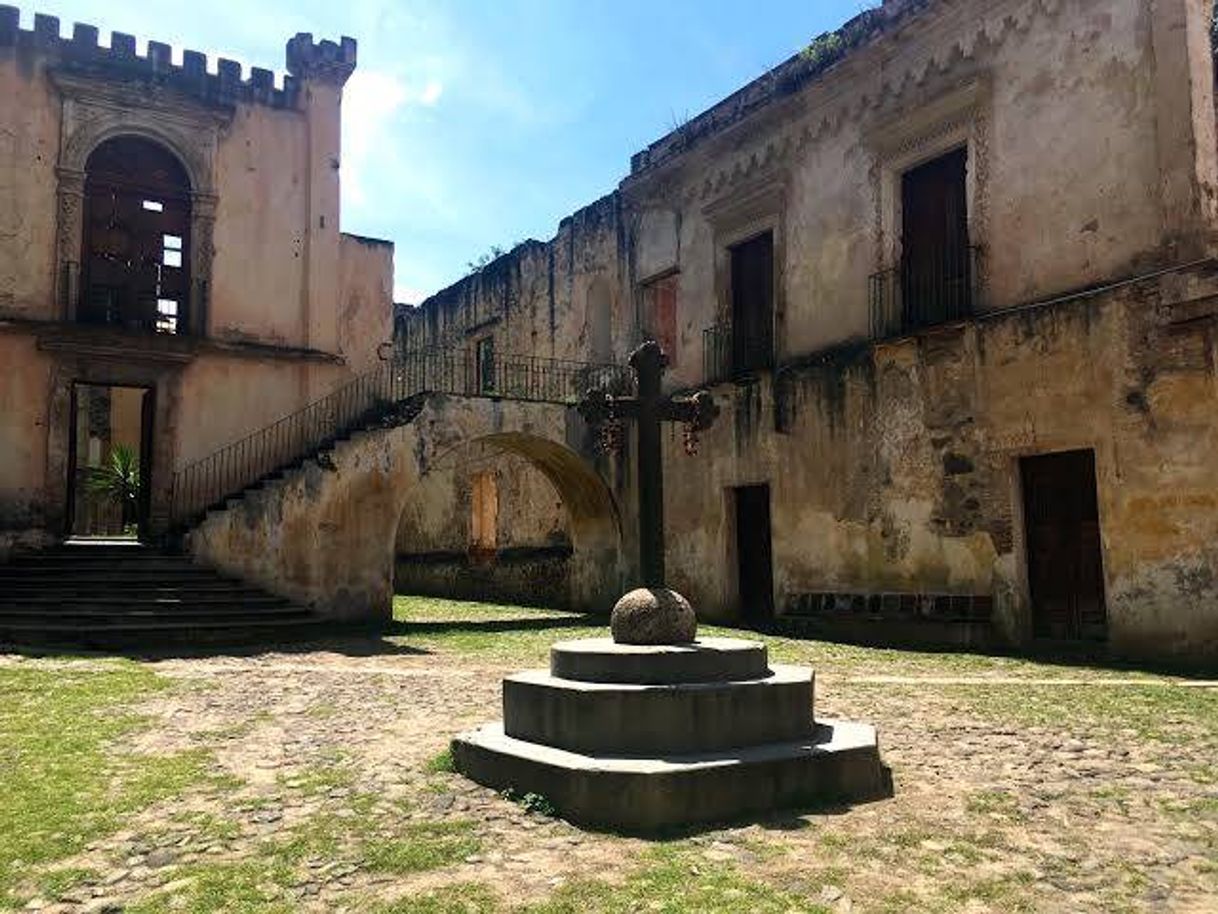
<point x="753" y="554"/>
<point x="135" y="254"/>
<point x="1065" y="568"/>
<point x="936" y="270"/>
<point x="109" y="461"/>
<point x="752" y="283"/>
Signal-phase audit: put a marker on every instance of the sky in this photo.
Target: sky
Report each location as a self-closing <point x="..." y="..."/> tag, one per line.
<point x="470" y="124"/>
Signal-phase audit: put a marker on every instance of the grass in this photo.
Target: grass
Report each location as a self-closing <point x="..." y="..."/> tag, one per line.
<point x="66" y="781"/>
<point x="484" y="630"/>
<point x="63" y="782"/>
<point x="440" y="763"/>
<point x="268" y="879"/>
<point x="673" y="881"/>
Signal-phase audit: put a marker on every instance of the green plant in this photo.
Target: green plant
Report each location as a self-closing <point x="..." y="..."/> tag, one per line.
<point x="532" y="802"/>
<point x="118" y="479"/>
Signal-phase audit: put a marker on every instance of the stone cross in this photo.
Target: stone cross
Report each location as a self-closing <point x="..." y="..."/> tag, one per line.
<point x="649" y="409"/>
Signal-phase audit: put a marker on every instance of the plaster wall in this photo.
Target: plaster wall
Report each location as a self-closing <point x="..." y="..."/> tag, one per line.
<point x="29" y="148"/>
<point x="293" y="308"/>
<point x="365" y="308"/>
<point x="895" y="468"/>
<point x="1058" y="105"/>
<point x="261" y="236"/>
<point x="23" y="440"/>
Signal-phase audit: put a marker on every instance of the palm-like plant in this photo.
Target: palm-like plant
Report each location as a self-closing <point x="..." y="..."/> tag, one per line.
<point x="118" y="479"/>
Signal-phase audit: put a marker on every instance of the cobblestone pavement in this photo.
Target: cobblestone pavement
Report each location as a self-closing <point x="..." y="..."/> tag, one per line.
<point x="1018" y="787"/>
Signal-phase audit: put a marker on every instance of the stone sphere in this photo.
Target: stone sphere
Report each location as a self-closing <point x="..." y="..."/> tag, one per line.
<point x="653" y="616"/>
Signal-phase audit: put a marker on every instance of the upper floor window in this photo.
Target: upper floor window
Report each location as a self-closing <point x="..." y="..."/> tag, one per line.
<point x="933" y="281"/>
<point x="752" y="300"/>
<point x="135" y="248"/>
<point x="484" y="364"/>
<point x="660" y="314"/>
<point x="935" y="268"/>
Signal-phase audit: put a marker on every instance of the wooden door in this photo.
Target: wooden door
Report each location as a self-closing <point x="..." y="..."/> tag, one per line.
<point x="935" y="270"/>
<point x="754" y="554"/>
<point x="752" y="264"/>
<point x="1065" y="565"/>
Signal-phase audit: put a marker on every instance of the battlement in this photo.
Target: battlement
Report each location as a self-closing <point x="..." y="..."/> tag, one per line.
<point x="83" y="53"/>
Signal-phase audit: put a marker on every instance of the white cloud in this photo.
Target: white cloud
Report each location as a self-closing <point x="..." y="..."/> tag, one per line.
<point x="371" y="101"/>
<point x="408" y="295"/>
<point x="431" y="93"/>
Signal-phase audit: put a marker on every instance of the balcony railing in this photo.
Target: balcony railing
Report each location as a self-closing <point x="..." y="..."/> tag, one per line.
<point x="922" y="293"/>
<point x="726" y="354"/>
<point x="375" y="398"/>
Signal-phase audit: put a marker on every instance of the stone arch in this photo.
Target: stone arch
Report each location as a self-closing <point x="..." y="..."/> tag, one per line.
<point x="84" y="142"/>
<point x="326" y="536"/>
<point x="189" y="133"/>
<point x="593" y="519"/>
<point x="135" y="238"/>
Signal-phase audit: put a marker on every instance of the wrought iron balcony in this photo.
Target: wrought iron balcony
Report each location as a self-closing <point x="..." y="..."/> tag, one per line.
<point x="726" y="354"/>
<point x="923" y="293"/>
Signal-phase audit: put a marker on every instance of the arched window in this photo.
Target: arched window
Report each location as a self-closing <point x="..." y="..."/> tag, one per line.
<point x="135" y="255"/>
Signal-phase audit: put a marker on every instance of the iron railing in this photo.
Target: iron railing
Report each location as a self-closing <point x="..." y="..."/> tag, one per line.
<point x="375" y="397"/>
<point x="922" y="293"/>
<point x="726" y="354"/>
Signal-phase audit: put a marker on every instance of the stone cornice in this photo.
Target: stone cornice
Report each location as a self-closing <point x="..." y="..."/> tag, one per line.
<point x="895" y="66"/>
<point x="115" y="342"/>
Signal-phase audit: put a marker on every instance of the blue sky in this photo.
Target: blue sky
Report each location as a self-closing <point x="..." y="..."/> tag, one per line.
<point x="473" y="123"/>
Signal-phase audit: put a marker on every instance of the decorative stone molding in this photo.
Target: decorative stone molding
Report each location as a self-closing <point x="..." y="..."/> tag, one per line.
<point x="921" y="132"/>
<point x="755" y="206"/>
<point x="885" y="73"/>
<point x="95" y="111"/>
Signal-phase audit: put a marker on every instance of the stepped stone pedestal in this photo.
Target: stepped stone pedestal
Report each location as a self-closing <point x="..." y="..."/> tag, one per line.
<point x="644" y="737"/>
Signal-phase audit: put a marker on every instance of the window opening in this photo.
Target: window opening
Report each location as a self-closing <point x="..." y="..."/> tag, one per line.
<point x="752" y="287"/>
<point x="134" y="252"/>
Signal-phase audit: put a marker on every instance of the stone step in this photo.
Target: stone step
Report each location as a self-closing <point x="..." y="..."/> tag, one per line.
<point x="629" y="719"/>
<point x="839" y="763"/>
<point x="150" y="610"/>
<point x="14" y="573"/>
<point x="119" y="597"/>
<point x="105" y="595"/>
<point x="150" y="587"/>
<point x="160" y="637"/>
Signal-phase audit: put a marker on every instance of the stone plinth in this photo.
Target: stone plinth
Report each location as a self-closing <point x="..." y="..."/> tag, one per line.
<point x="638" y="738"/>
<point x="649" y="719"/>
<point x="705" y="660"/>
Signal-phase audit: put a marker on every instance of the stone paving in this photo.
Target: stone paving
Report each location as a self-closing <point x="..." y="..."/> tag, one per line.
<point x="1018" y="787"/>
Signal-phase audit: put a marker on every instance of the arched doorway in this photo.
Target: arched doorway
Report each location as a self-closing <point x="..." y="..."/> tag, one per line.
<point x="135" y="249"/>
<point x="509" y="517"/>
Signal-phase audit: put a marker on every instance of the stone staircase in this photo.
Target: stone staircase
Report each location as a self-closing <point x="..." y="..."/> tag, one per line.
<point x="114" y="595"/>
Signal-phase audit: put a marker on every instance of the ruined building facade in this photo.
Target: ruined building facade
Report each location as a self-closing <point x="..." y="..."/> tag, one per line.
<point x="172" y="272"/>
<point x="950" y="275"/>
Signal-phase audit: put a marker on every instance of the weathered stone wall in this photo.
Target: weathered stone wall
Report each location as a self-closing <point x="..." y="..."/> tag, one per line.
<point x="893" y="465"/>
<point x="327" y="537"/>
<point x="292" y="307"/>
<point x="549" y="299"/>
<point x="436" y="552"/>
<point x="894" y="468"/>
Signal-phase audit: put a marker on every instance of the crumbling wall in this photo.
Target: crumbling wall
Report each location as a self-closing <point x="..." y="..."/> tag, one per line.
<point x="895" y="467"/>
<point x="326" y="535"/>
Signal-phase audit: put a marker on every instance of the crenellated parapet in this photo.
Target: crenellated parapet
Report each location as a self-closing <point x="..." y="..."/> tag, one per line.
<point x="83" y="54"/>
<point x="324" y="61"/>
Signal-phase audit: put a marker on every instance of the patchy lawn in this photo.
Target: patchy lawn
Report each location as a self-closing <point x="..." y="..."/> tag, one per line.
<point x="318" y="779"/>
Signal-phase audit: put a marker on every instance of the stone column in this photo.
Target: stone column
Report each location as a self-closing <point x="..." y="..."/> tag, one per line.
<point x="202" y="255"/>
<point x="69" y="242"/>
